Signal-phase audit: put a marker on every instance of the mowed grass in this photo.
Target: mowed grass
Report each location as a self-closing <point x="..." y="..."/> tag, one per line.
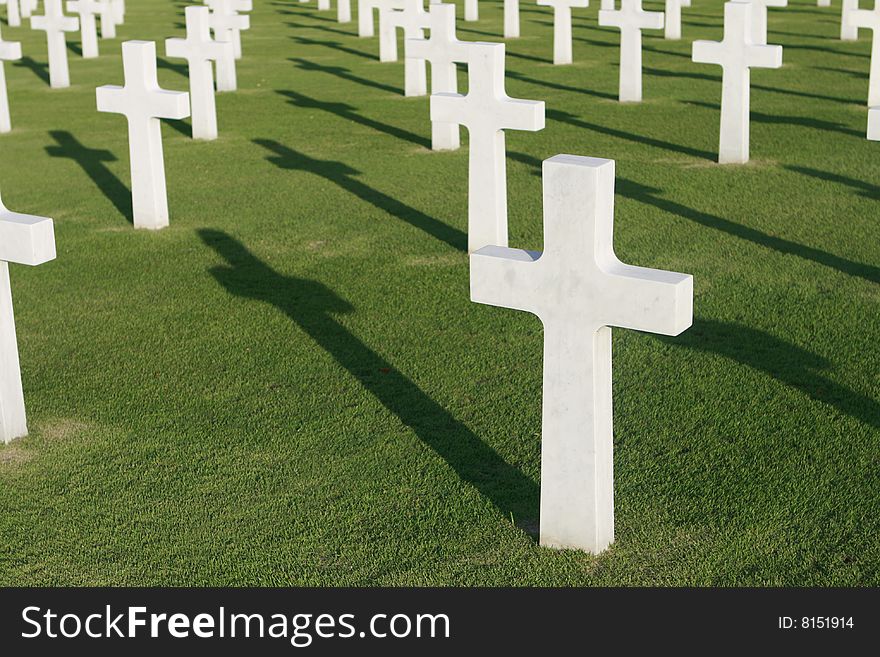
<point x="290" y="386"/>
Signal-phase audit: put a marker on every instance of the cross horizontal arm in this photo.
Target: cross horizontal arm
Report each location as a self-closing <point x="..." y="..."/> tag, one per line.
<point x="653" y="300"/>
<point x="500" y="276"/>
<point x="26" y="239"/>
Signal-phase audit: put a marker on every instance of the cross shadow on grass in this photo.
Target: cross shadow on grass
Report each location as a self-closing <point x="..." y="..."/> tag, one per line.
<point x="780" y="119"/>
<point x="343" y="175"/>
<point x="650" y="196"/>
<point x="571" y="119"/>
<point x="865" y="189"/>
<point x="92" y="160"/>
<point x="789" y="364"/>
<point x="346" y="111"/>
<point x="514" y="75"/>
<point x="39" y="69"/>
<point x="312" y="306"/>
<point x="343" y="74"/>
<point x="335" y="45"/>
<point x="180" y="69"/>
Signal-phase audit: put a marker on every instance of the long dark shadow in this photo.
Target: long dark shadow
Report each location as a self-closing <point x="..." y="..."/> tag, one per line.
<point x="865" y="189"/>
<point x="323" y="28"/>
<point x="514" y="75"/>
<point x="343" y="74"/>
<point x="789" y="364"/>
<point x="346" y="111"/>
<point x="335" y="45"/>
<point x="649" y="196"/>
<point x="341" y="174"/>
<point x="565" y="117"/>
<point x="803" y="121"/>
<point x="39" y="69"/>
<point x="179" y="68"/>
<point x="312" y="306"/>
<point x="92" y="160"/>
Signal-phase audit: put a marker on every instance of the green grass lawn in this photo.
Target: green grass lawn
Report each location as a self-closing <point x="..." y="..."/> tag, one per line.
<point x="290" y="386"/>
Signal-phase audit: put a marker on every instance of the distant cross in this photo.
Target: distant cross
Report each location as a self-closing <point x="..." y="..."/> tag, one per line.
<point x="759" y="18"/>
<point x="109" y="18"/>
<point x="199" y="49"/>
<point x="442" y="49"/>
<point x="366" y="25"/>
<point x="412" y="19"/>
<point x="736" y="54"/>
<point x="55" y="24"/>
<point x="823" y="3"/>
<point x="343" y="11"/>
<point x="13" y="13"/>
<point x="228" y="23"/>
<point x="672" y="19"/>
<point x="562" y="27"/>
<point x="143" y="103"/>
<point x="631" y="19"/>
<point x="28" y="7"/>
<point x="119" y="8"/>
<point x="24" y="240"/>
<point x="323" y="5"/>
<point x="88" y="11"/>
<point x="870" y="20"/>
<point x="579" y="290"/>
<point x="9" y="50"/>
<point x="486" y="111"/>
<point x="848" y="32"/>
<point x="511" y="19"/>
<point x="471" y="10"/>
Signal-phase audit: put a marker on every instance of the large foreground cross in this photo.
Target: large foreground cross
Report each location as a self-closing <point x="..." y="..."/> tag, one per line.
<point x="579" y="289"/>
<point x="631" y="19"/>
<point x="487" y="111"/>
<point x="737" y="55"/>
<point x="25" y="240"/>
<point x="143" y="103"/>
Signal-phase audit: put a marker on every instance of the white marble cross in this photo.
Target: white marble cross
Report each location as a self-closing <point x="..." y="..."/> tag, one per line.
<point x="323" y="5"/>
<point x="848" y="32"/>
<point x="9" y="50"/>
<point x="55" y="24"/>
<point x="486" y="111"/>
<point x="442" y="49"/>
<point x="366" y="24"/>
<point x="112" y="14"/>
<point x="759" y="18"/>
<point x="88" y="11"/>
<point x="672" y="19"/>
<point x="869" y="19"/>
<point x="631" y="19"/>
<point x="736" y="54"/>
<point x="343" y="11"/>
<point x="143" y="103"/>
<point x="412" y="19"/>
<point x="199" y="50"/>
<point x="13" y="12"/>
<point x="823" y="3"/>
<point x="228" y="23"/>
<point x="24" y="240"/>
<point x="471" y="10"/>
<point x="579" y="290"/>
<point x="28" y="7"/>
<point x="511" y="19"/>
<point x="562" y="27"/>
